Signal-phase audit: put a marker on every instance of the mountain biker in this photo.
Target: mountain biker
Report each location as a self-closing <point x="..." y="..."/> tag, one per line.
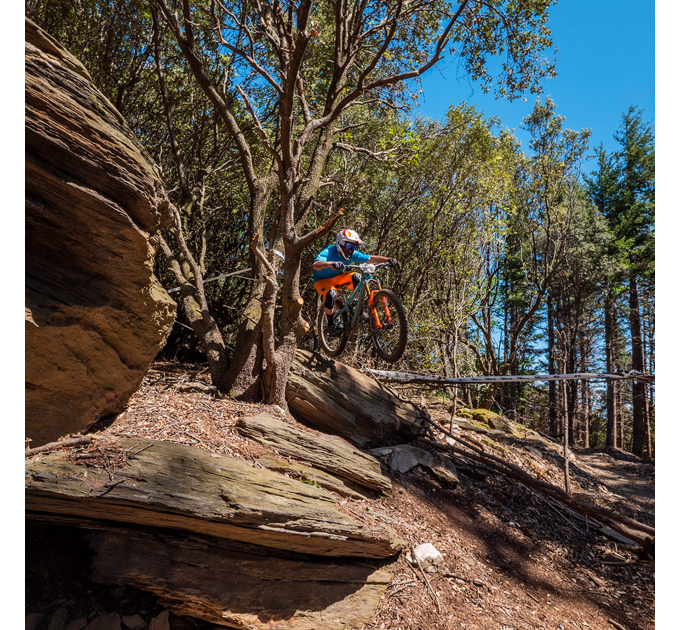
<point x="329" y="270"/>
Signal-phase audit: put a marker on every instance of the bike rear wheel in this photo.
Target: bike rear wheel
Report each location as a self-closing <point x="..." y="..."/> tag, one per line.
<point x="332" y="346"/>
<point x="388" y="331"/>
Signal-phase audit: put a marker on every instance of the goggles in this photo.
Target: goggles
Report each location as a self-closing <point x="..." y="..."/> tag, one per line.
<point x="349" y="247"/>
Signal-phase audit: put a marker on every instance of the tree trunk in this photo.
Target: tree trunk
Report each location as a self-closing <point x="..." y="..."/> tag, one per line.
<point x="552" y="385"/>
<point x="639" y="402"/>
<point x="609" y="334"/>
<point x="565" y="438"/>
<point x="245" y="370"/>
<point x="209" y="334"/>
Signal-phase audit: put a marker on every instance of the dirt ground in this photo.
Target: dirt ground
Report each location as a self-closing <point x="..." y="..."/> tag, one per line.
<point x="514" y="559"/>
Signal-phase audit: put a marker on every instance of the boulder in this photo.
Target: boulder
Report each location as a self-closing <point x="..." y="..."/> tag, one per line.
<point x="339" y="399"/>
<point x="325" y="452"/>
<point x="239" y="585"/>
<point x="95" y="314"/>
<point x="168" y="485"/>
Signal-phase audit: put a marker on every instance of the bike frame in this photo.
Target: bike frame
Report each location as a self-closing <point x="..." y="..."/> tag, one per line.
<point x="359" y="293"/>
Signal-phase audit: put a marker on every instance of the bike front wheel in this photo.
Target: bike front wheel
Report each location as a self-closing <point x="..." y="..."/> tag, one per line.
<point x="388" y="325"/>
<point x="332" y="346"/>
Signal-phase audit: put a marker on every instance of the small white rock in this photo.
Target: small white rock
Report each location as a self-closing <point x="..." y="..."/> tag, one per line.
<point x="429" y="557"/>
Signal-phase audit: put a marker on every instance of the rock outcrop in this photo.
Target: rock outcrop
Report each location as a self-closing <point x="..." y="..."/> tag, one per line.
<point x="239" y="585"/>
<point x="95" y="314"/>
<point x="169" y="485"/>
<point x="325" y="452"/>
<point x="338" y="399"/>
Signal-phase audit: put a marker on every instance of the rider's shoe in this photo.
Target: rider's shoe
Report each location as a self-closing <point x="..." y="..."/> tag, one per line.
<point x="363" y="318"/>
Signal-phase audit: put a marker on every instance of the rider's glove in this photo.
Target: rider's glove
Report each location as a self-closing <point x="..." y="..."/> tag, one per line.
<point x="338" y="265"/>
<point x="392" y="262"/>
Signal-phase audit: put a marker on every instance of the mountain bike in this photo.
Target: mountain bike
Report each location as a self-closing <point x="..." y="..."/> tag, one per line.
<point x="369" y="304"/>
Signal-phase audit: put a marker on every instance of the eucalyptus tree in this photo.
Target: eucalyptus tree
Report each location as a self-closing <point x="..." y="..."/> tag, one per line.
<point x="295" y="67"/>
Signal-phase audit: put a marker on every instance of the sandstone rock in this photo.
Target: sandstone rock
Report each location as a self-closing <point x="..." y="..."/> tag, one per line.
<point x="239" y="585"/>
<point x="105" y="622"/>
<point x="134" y="622"/>
<point x="95" y="314"/>
<point x="326" y="452"/>
<point x="177" y="486"/>
<point x="338" y="399"/>
<point x="312" y="476"/>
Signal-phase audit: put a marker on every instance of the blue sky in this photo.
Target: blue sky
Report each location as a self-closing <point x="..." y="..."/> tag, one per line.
<point x="605" y="63"/>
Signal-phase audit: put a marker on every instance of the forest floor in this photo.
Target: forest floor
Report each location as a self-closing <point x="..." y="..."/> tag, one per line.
<point x="514" y="559"/>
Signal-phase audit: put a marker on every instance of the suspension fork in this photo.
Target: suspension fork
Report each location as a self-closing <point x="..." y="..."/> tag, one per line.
<point x="374" y="310"/>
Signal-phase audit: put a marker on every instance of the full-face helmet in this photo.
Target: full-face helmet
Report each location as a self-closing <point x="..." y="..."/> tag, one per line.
<point x="346" y="242"/>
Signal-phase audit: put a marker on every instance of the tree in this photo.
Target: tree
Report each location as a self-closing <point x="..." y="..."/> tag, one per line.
<point x="633" y="223"/>
<point x="545" y="192"/>
<point x="296" y="67"/>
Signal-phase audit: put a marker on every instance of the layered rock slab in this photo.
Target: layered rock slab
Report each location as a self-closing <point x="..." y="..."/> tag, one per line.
<point x="95" y="314"/>
<point x="239" y="585"/>
<point x="325" y="452"/>
<point x="338" y="399"/>
<point x="312" y="476"/>
<point x="169" y="485"/>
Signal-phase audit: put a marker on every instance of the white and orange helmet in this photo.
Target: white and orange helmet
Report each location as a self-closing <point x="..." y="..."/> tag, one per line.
<point x="346" y="242"/>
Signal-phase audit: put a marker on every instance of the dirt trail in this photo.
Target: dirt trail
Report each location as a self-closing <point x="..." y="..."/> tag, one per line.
<point x="631" y="482"/>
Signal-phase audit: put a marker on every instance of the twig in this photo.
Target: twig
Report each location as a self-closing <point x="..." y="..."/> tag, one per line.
<point x="113" y="484"/>
<point x="617" y="625"/>
<point x="401" y="588"/>
<point x="107" y="464"/>
<point x="131" y="455"/>
<point x="420" y="566"/>
<point x="86" y="439"/>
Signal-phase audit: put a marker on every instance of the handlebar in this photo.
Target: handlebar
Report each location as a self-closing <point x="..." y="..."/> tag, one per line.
<point x="368" y="267"/>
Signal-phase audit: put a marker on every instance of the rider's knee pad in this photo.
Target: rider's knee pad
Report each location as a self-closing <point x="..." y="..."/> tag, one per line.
<point x="330" y="298"/>
<point x="356" y="279"/>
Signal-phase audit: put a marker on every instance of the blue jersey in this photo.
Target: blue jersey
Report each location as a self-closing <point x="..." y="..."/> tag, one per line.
<point x="331" y="254"/>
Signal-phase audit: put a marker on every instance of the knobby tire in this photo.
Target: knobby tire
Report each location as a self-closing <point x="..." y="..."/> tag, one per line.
<point x="389" y="348"/>
<point x="331" y="350"/>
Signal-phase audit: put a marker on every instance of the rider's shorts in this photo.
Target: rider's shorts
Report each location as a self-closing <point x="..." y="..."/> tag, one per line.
<point x="324" y="285"/>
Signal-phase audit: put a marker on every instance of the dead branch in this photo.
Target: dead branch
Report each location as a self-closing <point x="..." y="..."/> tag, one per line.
<point x="45" y="448"/>
<point x="420" y="566"/>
